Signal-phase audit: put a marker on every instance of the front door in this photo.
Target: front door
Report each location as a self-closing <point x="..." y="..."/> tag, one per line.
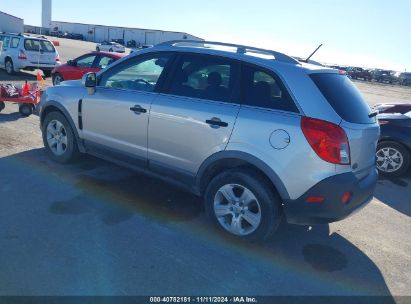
<point x="115" y="117"/>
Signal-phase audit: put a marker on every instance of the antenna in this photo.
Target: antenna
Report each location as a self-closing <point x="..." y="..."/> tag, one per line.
<point x="312" y="54"/>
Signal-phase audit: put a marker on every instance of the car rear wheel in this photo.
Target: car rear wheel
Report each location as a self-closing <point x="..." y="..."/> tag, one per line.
<point x="9" y="66"/>
<point x="2" y="106"/>
<point x="57" y="79"/>
<point x="241" y="202"/>
<point x="59" y="138"/>
<point x="393" y="159"/>
<point x="97" y="49"/>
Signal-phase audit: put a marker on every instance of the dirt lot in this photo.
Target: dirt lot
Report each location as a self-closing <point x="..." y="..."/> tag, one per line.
<point x="94" y="228"/>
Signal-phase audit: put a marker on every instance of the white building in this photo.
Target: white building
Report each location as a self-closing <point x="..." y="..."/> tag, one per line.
<point x="99" y="33"/>
<point x="46" y="13"/>
<point x="12" y="24"/>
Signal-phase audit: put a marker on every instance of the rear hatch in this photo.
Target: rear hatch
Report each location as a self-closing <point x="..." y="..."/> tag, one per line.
<point x="362" y="130"/>
<point x="40" y="51"/>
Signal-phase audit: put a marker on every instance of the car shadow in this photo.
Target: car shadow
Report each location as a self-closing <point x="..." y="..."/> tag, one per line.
<point x="17" y="76"/>
<point x="298" y="260"/>
<point x="8" y="117"/>
<point x="395" y="192"/>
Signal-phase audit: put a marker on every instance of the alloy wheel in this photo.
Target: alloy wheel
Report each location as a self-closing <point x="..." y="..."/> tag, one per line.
<point x="389" y="159"/>
<point x="237" y="209"/>
<point x="57" y="137"/>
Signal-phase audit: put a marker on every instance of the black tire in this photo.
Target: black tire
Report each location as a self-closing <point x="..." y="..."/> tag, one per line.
<point x="269" y="201"/>
<point x="405" y="157"/>
<point x="71" y="153"/>
<point x="97" y="49"/>
<point x="57" y="76"/>
<point x="47" y="73"/>
<point x="2" y="106"/>
<point x="11" y="70"/>
<point x="26" y="109"/>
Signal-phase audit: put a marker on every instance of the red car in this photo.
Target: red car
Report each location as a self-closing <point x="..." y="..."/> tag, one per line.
<point x="76" y="68"/>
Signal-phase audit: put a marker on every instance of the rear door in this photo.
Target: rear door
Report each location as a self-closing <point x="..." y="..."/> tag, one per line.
<point x="362" y="131"/>
<point x="195" y="116"/>
<point x="40" y="51"/>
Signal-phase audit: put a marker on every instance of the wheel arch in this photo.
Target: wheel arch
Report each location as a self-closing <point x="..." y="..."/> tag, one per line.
<point x="53" y="106"/>
<point x="226" y="160"/>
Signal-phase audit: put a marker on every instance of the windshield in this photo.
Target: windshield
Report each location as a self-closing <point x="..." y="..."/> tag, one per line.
<point x="39" y="45"/>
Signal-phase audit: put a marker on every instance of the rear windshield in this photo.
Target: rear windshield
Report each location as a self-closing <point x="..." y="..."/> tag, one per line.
<point x="39" y="45"/>
<point x="344" y="97"/>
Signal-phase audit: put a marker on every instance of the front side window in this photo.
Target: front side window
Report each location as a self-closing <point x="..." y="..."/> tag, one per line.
<point x="136" y="74"/>
<point x="39" y="45"/>
<point x="205" y="78"/>
<point x="6" y="41"/>
<point x="86" y="62"/>
<point x="264" y="90"/>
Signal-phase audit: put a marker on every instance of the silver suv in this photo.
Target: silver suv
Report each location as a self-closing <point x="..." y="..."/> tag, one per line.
<point x="254" y="132"/>
<point x="25" y="52"/>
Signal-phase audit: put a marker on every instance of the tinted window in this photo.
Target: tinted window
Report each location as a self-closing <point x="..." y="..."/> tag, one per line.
<point x="137" y="74"/>
<point x="86" y="62"/>
<point x="264" y="90"/>
<point x="105" y="61"/>
<point x="38" y="45"/>
<point x="204" y="77"/>
<point x="14" y="42"/>
<point x="344" y="97"/>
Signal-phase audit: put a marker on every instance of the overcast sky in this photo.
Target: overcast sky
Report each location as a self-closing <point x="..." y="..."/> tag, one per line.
<point x="372" y="33"/>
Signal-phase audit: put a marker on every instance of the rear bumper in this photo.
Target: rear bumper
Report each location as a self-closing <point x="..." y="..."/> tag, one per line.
<point x="332" y="209"/>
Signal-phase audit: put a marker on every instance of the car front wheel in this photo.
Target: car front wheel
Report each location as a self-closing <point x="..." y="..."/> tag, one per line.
<point x="242" y="203"/>
<point x="393" y="159"/>
<point x="57" y="79"/>
<point x="59" y="139"/>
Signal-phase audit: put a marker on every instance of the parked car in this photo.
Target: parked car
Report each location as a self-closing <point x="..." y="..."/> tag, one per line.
<point x="359" y="73"/>
<point x="297" y="140"/>
<point x="394" y="146"/>
<point x="73" y="36"/>
<point x="131" y="44"/>
<point x="76" y="68"/>
<point x="25" y="52"/>
<point x="404" y="78"/>
<point x="56" y="33"/>
<point x="119" y="41"/>
<point x="383" y="76"/>
<point x="110" y="47"/>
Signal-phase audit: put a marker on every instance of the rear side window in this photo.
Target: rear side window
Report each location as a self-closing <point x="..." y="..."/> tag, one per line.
<point x="14" y="42"/>
<point x="205" y="77"/>
<point x="344" y="97"/>
<point x="39" y="45"/>
<point x="264" y="90"/>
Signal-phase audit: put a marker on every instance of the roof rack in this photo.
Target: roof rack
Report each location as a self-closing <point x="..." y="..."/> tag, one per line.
<point x="241" y="49"/>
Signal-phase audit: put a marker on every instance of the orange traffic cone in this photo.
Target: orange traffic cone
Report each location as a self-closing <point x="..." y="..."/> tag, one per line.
<point x="26" y="89"/>
<point x="40" y="78"/>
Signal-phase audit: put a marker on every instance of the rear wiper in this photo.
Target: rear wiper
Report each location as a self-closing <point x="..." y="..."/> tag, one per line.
<point x="373" y="114"/>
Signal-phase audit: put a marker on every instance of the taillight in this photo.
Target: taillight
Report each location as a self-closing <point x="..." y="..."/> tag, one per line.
<point x="57" y="59"/>
<point x="328" y="140"/>
<point x="22" y="55"/>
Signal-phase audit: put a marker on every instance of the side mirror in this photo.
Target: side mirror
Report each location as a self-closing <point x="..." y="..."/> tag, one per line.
<point x="89" y="80"/>
<point x="72" y="63"/>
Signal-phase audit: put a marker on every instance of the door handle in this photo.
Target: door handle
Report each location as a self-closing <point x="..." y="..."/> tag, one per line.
<point x="216" y="122"/>
<point x="138" y="109"/>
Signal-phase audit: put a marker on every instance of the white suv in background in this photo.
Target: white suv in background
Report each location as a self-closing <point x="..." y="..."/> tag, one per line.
<point x="25" y="52"/>
<point x="110" y="47"/>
